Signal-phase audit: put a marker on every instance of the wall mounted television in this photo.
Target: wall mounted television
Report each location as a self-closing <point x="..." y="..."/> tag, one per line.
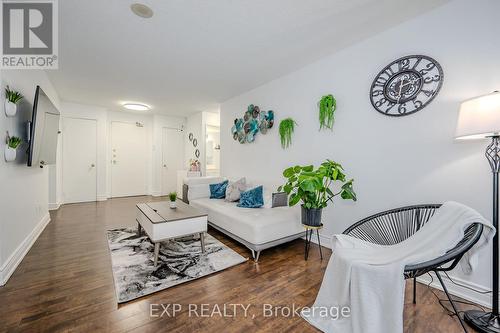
<point x="43" y="131"/>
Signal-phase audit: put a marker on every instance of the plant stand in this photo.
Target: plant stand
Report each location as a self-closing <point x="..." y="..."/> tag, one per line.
<point x="309" y="232"/>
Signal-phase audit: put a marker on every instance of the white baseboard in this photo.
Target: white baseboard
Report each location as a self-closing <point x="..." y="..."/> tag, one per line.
<point x="102" y="198"/>
<point x="15" y="258"/>
<point x="459" y="291"/>
<point x="326" y="241"/>
<point x="54" y="206"/>
<point x="156" y="193"/>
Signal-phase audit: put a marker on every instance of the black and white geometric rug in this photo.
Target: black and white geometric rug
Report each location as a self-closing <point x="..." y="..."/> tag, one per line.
<point x="180" y="260"/>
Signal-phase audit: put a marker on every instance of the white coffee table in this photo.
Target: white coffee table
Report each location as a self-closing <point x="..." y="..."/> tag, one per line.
<point x="160" y="222"/>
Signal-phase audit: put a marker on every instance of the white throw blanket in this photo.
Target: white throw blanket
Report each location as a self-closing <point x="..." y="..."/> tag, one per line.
<point x="368" y="278"/>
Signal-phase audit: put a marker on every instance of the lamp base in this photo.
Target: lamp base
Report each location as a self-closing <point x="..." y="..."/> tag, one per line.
<point x="483" y="322"/>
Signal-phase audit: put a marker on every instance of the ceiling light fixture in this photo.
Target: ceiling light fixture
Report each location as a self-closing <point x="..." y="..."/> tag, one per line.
<point x="136" y="106"/>
<point x="141" y="10"/>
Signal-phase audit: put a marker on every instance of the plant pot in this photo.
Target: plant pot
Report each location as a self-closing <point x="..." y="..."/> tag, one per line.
<point x="311" y="216"/>
<point x="10" y="154"/>
<point x="10" y="108"/>
<point x="173" y="204"/>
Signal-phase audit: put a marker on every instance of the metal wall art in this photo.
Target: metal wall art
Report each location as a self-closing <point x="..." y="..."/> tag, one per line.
<point x="195" y="142"/>
<point x="253" y="122"/>
<point x="191" y="136"/>
<point x="197" y="153"/>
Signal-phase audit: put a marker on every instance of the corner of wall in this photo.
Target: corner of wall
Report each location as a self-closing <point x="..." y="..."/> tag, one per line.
<point x="10" y="265"/>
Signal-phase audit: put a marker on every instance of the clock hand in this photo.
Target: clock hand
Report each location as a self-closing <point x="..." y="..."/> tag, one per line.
<point x="400" y="89"/>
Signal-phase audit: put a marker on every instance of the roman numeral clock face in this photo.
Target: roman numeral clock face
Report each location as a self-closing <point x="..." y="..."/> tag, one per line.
<point x="406" y="85"/>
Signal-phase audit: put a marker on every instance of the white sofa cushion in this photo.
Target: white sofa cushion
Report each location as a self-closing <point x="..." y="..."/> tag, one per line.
<point x="255" y="225"/>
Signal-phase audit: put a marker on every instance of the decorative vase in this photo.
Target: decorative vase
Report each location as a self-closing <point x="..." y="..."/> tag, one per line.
<point x="10" y="154"/>
<point x="311" y="216"/>
<point x="10" y="108"/>
<point x="173" y="204"/>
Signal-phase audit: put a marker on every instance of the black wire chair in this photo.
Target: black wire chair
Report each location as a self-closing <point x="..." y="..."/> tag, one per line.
<point x="396" y="225"/>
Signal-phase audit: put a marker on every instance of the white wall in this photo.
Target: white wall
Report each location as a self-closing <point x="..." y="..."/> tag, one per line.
<point x="25" y="191"/>
<point x="159" y="123"/>
<point x="196" y="124"/>
<point x="394" y="161"/>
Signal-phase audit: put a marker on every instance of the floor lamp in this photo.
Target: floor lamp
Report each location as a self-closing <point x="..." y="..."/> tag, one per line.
<point x="478" y="118"/>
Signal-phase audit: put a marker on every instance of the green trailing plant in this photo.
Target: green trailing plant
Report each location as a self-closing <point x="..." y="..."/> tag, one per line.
<point x="172" y="196"/>
<point x="14" y="142"/>
<point x="327" y="107"/>
<point x="287" y="126"/>
<point x="314" y="186"/>
<point x="12" y="96"/>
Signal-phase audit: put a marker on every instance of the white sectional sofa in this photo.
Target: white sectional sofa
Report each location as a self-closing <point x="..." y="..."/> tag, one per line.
<point x="256" y="228"/>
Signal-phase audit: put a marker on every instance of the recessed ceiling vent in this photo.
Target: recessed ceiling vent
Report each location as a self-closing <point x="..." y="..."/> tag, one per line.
<point x="141" y="10"/>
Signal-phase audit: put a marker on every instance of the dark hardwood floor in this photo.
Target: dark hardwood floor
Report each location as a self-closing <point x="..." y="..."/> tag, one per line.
<point x="65" y="284"/>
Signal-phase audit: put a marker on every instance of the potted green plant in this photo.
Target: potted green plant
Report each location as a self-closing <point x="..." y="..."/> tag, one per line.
<point x="313" y="187"/>
<point x="13" y="142"/>
<point x="12" y="98"/>
<point x="327" y="107"/>
<point x="286" y="128"/>
<point x="173" y="197"/>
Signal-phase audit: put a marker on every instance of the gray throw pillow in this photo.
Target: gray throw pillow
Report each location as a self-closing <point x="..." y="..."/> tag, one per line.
<point x="234" y="189"/>
<point x="280" y="199"/>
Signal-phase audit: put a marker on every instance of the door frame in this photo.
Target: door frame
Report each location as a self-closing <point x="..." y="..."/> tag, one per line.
<point x="110" y="156"/>
<point x="163" y="129"/>
<point x="63" y="159"/>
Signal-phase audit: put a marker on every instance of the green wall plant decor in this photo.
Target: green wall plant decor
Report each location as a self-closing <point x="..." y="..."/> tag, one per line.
<point x="286" y="129"/>
<point x="327" y="107"/>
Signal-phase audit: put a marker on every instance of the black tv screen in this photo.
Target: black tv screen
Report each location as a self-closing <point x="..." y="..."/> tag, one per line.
<point x="44" y="131"/>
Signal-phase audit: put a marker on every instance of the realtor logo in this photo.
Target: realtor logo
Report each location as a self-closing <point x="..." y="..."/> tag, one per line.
<point x="29" y="34"/>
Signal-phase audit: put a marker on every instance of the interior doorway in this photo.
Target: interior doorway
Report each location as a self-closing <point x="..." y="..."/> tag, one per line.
<point x="172" y="158"/>
<point x="79" y="153"/>
<point x="128" y="159"/>
<point x="212" y="150"/>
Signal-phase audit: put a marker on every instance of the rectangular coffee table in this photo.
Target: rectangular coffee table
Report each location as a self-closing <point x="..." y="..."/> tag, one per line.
<point x="160" y="222"/>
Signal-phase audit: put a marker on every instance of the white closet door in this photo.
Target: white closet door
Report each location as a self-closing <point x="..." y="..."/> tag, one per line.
<point x="172" y="159"/>
<point x="128" y="159"/>
<point x="79" y="146"/>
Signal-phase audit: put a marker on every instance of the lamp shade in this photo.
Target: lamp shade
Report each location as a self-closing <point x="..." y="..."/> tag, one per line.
<point x="479" y="117"/>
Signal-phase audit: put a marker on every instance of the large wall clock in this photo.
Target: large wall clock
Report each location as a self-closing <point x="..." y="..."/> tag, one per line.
<point x="406" y="85"/>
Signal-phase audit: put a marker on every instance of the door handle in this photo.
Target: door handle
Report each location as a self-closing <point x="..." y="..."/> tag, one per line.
<point x="164" y="165"/>
<point x="92" y="165"/>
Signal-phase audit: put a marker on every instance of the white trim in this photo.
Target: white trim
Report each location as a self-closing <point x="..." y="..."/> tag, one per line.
<point x="17" y="256"/>
<point x="54" y="206"/>
<point x="470" y="295"/>
<point x="156" y="193"/>
<point x="102" y="197"/>
<point x="326" y="241"/>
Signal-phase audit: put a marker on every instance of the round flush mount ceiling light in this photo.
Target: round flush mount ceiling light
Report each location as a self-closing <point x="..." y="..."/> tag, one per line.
<point x="141" y="10"/>
<point x="136" y="106"/>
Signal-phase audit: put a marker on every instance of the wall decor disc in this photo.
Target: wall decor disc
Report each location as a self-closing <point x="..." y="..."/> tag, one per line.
<point x="254" y="121"/>
<point x="406" y="85"/>
<point x="195" y="142"/>
<point x="197" y="153"/>
<point x="191" y="136"/>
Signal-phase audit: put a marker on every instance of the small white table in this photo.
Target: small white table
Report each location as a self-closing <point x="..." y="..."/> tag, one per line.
<point x="160" y="222"/>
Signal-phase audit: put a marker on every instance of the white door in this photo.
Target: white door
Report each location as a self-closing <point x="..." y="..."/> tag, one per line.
<point x="172" y="159"/>
<point x="79" y="175"/>
<point x="129" y="152"/>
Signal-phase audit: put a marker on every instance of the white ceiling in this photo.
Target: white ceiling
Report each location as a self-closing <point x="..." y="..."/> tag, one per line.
<point x="194" y="54"/>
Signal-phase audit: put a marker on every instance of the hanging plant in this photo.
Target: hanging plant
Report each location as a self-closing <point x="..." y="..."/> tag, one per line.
<point x="14" y="142"/>
<point x="327" y="107"/>
<point x="287" y="126"/>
